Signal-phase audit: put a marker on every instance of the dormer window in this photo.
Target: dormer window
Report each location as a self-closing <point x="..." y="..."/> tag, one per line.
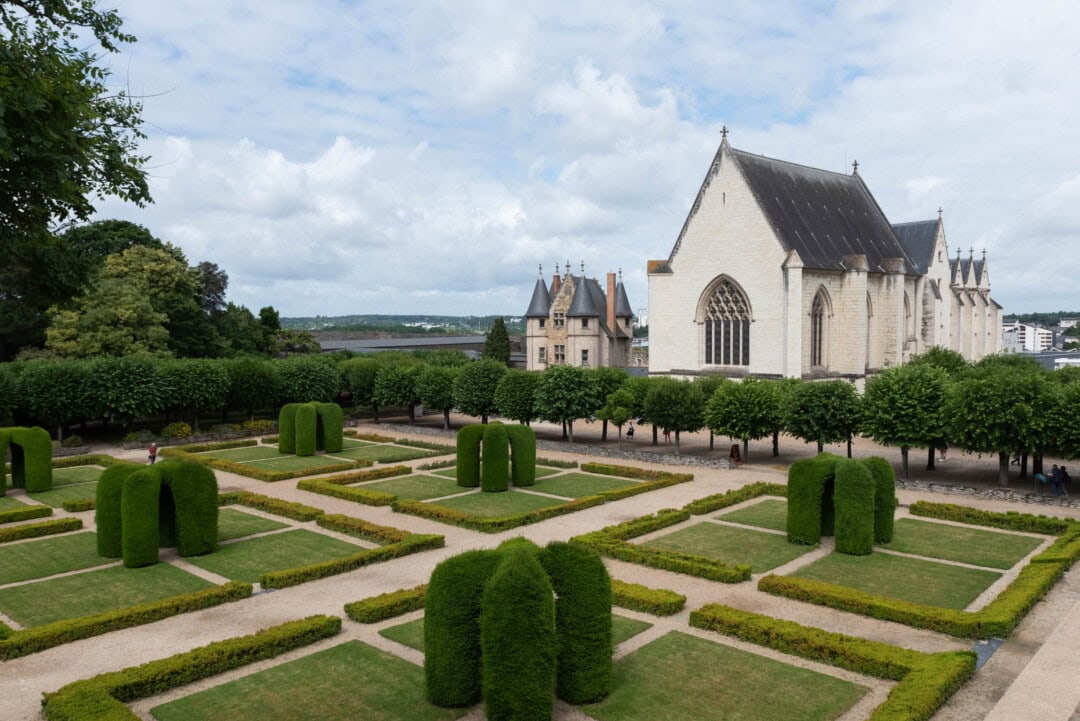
<point x="584" y="322"/>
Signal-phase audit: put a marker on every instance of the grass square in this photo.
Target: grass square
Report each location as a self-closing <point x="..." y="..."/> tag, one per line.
<point x="771" y="514"/>
<point x="541" y="472"/>
<point x="762" y="551"/>
<point x="74" y="492"/>
<point x="10" y="504"/>
<point x="348" y="681"/>
<point x="578" y="485"/>
<point x="347" y="443"/>
<point x="976" y="546"/>
<point x="494" y="505"/>
<point x="416" y="487"/>
<point x="247" y="560"/>
<point x="908" y="579"/>
<point x="385" y="453"/>
<point x="46" y="556"/>
<point x="76" y="474"/>
<point x="233" y="523"/>
<point x="679" y="677"/>
<point x="247" y="453"/>
<point x="411" y="633"/>
<point x="298" y="463"/>
<point x="95" y="591"/>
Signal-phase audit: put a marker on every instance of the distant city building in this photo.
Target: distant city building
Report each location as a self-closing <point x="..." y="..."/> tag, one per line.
<point x="783" y="270"/>
<point x="1024" y="338"/>
<point x="1066" y="323"/>
<point x="576" y="322"/>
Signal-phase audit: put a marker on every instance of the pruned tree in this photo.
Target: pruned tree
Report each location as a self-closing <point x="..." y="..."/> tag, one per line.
<point x="497" y="342"/>
<point x="748" y="410"/>
<point x="617" y="409"/>
<point x="474" y="389"/>
<point x="515" y="396"/>
<point x="606" y="380"/>
<point x="435" y="388"/>
<point x="905" y="407"/>
<point x="395" y="386"/>
<point x="822" y="412"/>
<point x="675" y="406"/>
<point x="564" y="394"/>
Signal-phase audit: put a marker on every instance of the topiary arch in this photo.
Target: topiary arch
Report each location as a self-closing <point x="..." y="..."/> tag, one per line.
<point x="304" y="428"/>
<point x="139" y="509"/>
<point x="31" y="459"/>
<point x="497" y="442"/>
<point x="852" y="499"/>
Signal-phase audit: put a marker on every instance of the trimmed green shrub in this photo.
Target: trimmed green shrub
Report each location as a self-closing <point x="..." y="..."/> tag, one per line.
<point x="139" y="520"/>
<point x="3" y="464"/>
<point x="306" y="429"/>
<point x="360" y="528"/>
<point x="717" y="501"/>
<point x="260" y="474"/>
<point x="452" y="651"/>
<point x="523" y="455"/>
<point x="287" y="428"/>
<point x="441" y="448"/>
<point x="657" y="601"/>
<point x="329" y="433"/>
<point x="1011" y="520"/>
<point x="810" y="504"/>
<point x="32" y="640"/>
<point x="468" y="455"/>
<point x="555" y="463"/>
<point x="853" y="498"/>
<point x="287" y="509"/>
<point x="583" y="592"/>
<point x="25" y="514"/>
<point x="194" y="491"/>
<point x="492" y="525"/>
<point x="107" y="513"/>
<point x="495" y="459"/>
<point x="373" y="437"/>
<point x="31" y="458"/>
<point x="103" y="697"/>
<point x="387" y="605"/>
<point x="884" y="497"/>
<point x="643" y="474"/>
<point x="517" y="633"/>
<point x="217" y="446"/>
<point x="176" y="429"/>
<point x="414" y="543"/>
<point x="78" y="505"/>
<point x="36" y="530"/>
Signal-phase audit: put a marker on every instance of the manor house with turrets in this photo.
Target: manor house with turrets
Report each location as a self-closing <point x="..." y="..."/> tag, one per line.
<point x="575" y="322"/>
<point x="786" y="271"/>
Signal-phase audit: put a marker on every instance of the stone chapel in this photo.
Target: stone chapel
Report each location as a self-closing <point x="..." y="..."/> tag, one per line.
<point x="787" y="271"/>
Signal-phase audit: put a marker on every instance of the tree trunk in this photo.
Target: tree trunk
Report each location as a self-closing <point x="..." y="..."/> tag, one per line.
<point x="654" y="440"/>
<point x="446" y="420"/>
<point x="570" y="428"/>
<point x="564" y="436"/>
<point x="1023" y="465"/>
<point x="603" y="433"/>
<point x="195" y="422"/>
<point x="483" y="418"/>
<point x="775" y="443"/>
<point x="1003" y="469"/>
<point x="820" y="447"/>
<point x="676" y="443"/>
<point x="375" y="409"/>
<point x="620" y="437"/>
<point x="849" y="446"/>
<point x="930" y="459"/>
<point x="904" y="460"/>
<point x="710" y="440"/>
<point x="60" y="432"/>
<point x="745" y="449"/>
<point x="1037" y="461"/>
<point x="412" y="414"/>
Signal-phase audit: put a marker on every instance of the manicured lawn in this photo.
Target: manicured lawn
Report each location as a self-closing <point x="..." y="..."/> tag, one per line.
<point x="491" y="505"/>
<point x="417" y="487"/>
<point x="731" y="545"/>
<point x="770" y="514"/>
<point x="956" y="543"/>
<point x="10" y="504"/>
<point x="75" y="474"/>
<point x="679" y="677"/>
<point x="908" y="579"/>
<point x="347" y="682"/>
<point x="246" y="560"/>
<point x="384" y="454"/>
<point x="347" y="443"/>
<point x="577" y="485"/>
<point x="46" y="556"/>
<point x="236" y="524"/>
<point x="411" y="633"/>
<point x="540" y="472"/>
<point x="248" y="453"/>
<point x="298" y="463"/>
<point x="95" y="591"/>
<point x="74" y="492"/>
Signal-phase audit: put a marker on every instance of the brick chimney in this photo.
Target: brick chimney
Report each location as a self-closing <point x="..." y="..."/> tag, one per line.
<point x="556" y="283"/>
<point x="611" y="302"/>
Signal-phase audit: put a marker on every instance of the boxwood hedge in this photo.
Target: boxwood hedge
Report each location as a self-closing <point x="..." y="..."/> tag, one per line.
<point x="387" y="605"/>
<point x="854" y="504"/>
<point x="495" y="459"/>
<point x="468" y="455"/>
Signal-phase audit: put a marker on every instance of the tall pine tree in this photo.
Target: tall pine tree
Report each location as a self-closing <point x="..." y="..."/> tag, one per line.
<point x="497" y="345"/>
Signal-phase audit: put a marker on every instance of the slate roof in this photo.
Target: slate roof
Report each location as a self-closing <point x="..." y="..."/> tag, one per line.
<point x="622" y="303"/>
<point x="589" y="300"/>
<point x="971" y="270"/>
<point x="540" y="305"/>
<point x="918" y="240"/>
<point x="822" y="215"/>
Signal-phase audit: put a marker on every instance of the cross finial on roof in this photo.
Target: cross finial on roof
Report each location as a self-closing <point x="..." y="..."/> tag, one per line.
<point x="971" y="251"/>
<point x="568" y="266"/>
<point x="541" y="270"/>
<point x="855" y="167"/>
<point x="620" y="275"/>
<point x="723" y="133"/>
<point x="984" y="255"/>
<point x="939" y="212"/>
<point x="583" y="269"/>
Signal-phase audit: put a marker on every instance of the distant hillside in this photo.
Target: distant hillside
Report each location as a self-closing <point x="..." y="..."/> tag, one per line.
<point x="405" y="324"/>
<point x="1044" y="319"/>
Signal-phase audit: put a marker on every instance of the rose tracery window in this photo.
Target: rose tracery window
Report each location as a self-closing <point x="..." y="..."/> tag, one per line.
<point x="727" y="326"/>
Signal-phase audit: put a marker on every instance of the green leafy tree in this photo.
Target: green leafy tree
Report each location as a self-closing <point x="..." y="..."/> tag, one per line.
<point x="675" y="406"/>
<point x="359" y="376"/>
<point x="606" y="381"/>
<point x="270" y="321"/>
<point x="497" y="342"/>
<point x="515" y="396"/>
<point x="474" y="389"/>
<point x="708" y="385"/>
<point x="824" y="412"/>
<point x="196" y="386"/>
<point x="617" y="409"/>
<point x="68" y="136"/>
<point x="1063" y="426"/>
<point x="114" y="319"/>
<point x="946" y="359"/>
<point x="126" y="389"/>
<point x="564" y="394"/>
<point x="905" y="407"/>
<point x="395" y="386"/>
<point x="302" y="379"/>
<point x="748" y="410"/>
<point x="239" y="331"/>
<point x="55" y="392"/>
<point x="295" y="342"/>
<point x="638" y="387"/>
<point x="253" y="384"/>
<point x="435" y="387"/>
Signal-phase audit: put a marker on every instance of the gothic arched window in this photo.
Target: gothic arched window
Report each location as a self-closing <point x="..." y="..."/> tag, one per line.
<point x="817" y="331"/>
<point x="727" y="326"/>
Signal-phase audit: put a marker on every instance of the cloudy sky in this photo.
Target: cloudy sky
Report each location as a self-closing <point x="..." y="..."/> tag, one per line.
<point x="425" y="157"/>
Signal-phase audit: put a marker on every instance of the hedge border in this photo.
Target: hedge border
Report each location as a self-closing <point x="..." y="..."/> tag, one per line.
<point x="373" y="437"/>
<point x="25" y="514"/>
<point x="242" y="469"/>
<point x="1010" y="521"/>
<point x="214" y="446"/>
<point x="359" y="528"/>
<point x="338" y="486"/>
<point x="36" y="530"/>
<point x="104" y="696"/>
<point x="495" y="524"/>
<point x="387" y="605"/>
<point x="657" y="601"/>
<point x="39" y="638"/>
<point x="413" y="543"/>
<point x="269" y="504"/>
<point x="926" y="681"/>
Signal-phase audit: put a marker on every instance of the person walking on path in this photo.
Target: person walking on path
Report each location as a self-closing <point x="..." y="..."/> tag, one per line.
<point x="153" y="454"/>
<point x="630" y="430"/>
<point x="1055" y="481"/>
<point x="667" y="436"/>
<point x="1061" y="481"/>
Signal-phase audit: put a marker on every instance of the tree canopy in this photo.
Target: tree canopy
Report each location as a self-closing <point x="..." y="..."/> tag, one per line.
<point x="497" y="343"/>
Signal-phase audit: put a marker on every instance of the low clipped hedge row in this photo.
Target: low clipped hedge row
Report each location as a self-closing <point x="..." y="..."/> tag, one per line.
<point x="102" y="697"/>
<point x="93" y="459"/>
<point x="25" y="514"/>
<point x="359" y="528"/>
<point x="657" y="601"/>
<point x="79" y="505"/>
<point x="556" y="463"/>
<point x="492" y="525"/>
<point x="373" y="437"/>
<point x="214" y="446"/>
<point x="39" y="638"/>
<point x="670" y="479"/>
<point x="1011" y="521"/>
<point x="387" y="605"/>
<point x="36" y="530"/>
<point x="643" y="474"/>
<point x="926" y="681"/>
<point x="718" y="501"/>
<point x="612" y="542"/>
<point x="414" y="543"/>
<point x="259" y="474"/>
<point x="435" y="465"/>
<point x="336" y="486"/>
<point x="276" y="506"/>
<point x="442" y="448"/>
